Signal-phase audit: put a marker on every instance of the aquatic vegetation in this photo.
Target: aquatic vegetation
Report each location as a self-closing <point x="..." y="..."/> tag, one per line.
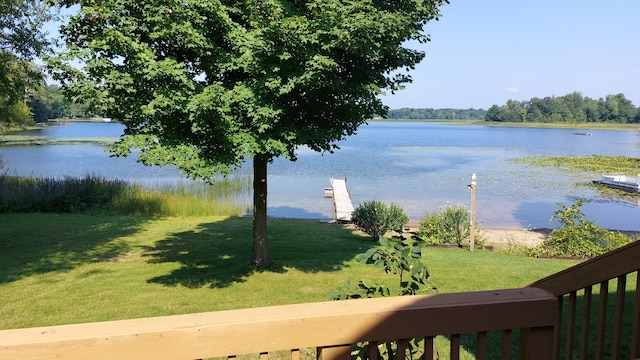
<point x="592" y="163"/>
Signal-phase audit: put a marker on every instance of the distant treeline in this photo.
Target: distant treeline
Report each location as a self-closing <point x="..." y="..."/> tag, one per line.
<point x="48" y="102"/>
<point x="436" y="114"/>
<point x="571" y="108"/>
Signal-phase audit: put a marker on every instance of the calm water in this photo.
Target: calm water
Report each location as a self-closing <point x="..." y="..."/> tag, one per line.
<point x="421" y="166"/>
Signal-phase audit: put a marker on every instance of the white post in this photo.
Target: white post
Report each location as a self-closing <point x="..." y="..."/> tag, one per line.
<point x="473" y="212"/>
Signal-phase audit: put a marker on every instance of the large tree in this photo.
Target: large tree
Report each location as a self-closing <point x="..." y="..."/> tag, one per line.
<point x="207" y="84"/>
<point x="21" y="40"/>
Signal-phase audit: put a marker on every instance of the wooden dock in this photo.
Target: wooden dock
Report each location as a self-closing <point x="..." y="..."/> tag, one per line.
<point x="342" y="206"/>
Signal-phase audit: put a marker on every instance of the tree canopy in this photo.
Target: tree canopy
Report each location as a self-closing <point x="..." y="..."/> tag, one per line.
<point x="21" y="40"/>
<point x="436" y="114"/>
<point x="206" y="85"/>
<point x="570" y="108"/>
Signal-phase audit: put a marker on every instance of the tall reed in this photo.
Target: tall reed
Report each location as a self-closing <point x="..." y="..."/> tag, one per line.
<point x="228" y="196"/>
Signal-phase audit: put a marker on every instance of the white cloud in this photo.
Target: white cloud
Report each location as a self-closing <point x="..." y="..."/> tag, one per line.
<point x="513" y="89"/>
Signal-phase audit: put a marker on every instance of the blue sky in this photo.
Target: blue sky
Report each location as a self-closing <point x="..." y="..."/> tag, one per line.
<point x="487" y="52"/>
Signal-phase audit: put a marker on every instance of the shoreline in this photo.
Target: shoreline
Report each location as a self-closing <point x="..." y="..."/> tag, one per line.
<point x="529" y="237"/>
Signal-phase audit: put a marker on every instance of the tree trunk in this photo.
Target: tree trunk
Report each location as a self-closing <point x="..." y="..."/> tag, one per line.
<point x="260" y="244"/>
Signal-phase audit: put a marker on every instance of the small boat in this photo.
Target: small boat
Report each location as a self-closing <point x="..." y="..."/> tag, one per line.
<point x="621" y="182"/>
<point x="582" y="133"/>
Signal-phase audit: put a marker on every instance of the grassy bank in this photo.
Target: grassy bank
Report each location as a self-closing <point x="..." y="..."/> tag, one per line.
<point x="95" y="195"/>
<point x="59" y="269"/>
<point x="24" y="140"/>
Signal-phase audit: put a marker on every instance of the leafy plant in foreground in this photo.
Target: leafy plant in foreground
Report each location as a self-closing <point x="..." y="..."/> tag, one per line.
<point x="578" y="236"/>
<point x="376" y="218"/>
<point x="397" y="256"/>
<point x="400" y="257"/>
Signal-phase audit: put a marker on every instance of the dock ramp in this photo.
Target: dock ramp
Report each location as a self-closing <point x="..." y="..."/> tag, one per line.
<point x="342" y="206"/>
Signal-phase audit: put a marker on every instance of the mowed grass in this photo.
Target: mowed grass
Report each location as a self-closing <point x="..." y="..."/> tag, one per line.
<point x="73" y="268"/>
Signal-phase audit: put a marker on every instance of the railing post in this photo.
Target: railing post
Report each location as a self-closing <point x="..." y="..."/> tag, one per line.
<point x="340" y="352"/>
<point x="536" y="343"/>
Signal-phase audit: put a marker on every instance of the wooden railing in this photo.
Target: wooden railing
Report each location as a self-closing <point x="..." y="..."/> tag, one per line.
<point x="329" y="326"/>
<point x="609" y="304"/>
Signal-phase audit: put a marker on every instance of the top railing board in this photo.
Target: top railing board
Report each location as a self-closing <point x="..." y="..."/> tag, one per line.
<point x="260" y="330"/>
<point x="618" y="262"/>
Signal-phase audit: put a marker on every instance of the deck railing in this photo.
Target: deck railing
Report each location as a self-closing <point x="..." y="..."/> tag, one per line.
<point x="331" y="327"/>
<point x="538" y="321"/>
<point x="604" y="290"/>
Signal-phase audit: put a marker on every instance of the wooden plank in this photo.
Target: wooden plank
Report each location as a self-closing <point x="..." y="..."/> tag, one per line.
<point x="481" y="345"/>
<point x="635" y="330"/>
<point x="618" y="318"/>
<point x="620" y="261"/>
<point x="428" y="348"/>
<point x="586" y="322"/>
<point x="343" y="207"/>
<point x="507" y="338"/>
<point x="324" y="324"/>
<point x="454" y="350"/>
<point x="602" y="320"/>
<point x="534" y="343"/>
<point x="571" y="326"/>
<point x="342" y="352"/>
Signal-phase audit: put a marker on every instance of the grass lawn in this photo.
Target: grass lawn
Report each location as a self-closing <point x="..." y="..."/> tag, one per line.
<point x="60" y="269"/>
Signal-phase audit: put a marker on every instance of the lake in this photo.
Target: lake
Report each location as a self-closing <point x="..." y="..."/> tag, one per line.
<point x="420" y="166"/>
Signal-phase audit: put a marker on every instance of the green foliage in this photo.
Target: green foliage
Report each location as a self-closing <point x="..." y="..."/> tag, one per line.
<point x="14" y="115"/>
<point x="400" y="257"/>
<point x="97" y="195"/>
<point x="206" y="85"/>
<point x="591" y="163"/>
<point x="376" y="218"/>
<point x="578" y="236"/>
<point x="451" y="225"/>
<point x="67" y="195"/>
<point x="571" y="108"/>
<point x="21" y="40"/>
<point x="436" y="114"/>
<point x="22" y="27"/>
<point x="48" y="102"/>
<point x="397" y="256"/>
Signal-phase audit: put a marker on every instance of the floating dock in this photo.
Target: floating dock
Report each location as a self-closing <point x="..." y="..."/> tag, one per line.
<point x="621" y="182"/>
<point x="342" y="205"/>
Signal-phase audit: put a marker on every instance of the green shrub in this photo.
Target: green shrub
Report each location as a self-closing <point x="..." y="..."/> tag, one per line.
<point x="578" y="236"/>
<point x="375" y="218"/>
<point x="451" y="225"/>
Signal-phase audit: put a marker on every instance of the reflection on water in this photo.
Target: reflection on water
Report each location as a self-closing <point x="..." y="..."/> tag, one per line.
<point x="420" y="166"/>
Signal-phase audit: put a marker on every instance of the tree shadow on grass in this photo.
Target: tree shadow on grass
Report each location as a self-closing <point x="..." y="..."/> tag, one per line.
<point x="218" y="254"/>
<point x="32" y="244"/>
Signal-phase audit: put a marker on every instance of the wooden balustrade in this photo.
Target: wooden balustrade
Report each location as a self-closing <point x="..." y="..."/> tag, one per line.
<point x="332" y="327"/>
<point x="602" y="333"/>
